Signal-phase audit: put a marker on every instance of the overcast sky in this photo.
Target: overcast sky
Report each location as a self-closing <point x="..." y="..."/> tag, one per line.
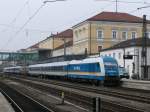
<point x="52" y="17"/>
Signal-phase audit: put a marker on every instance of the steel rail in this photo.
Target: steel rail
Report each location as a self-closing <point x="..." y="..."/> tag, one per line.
<point x="89" y="90"/>
<point x="15" y="106"/>
<point x="19" y="109"/>
<point x="139" y="98"/>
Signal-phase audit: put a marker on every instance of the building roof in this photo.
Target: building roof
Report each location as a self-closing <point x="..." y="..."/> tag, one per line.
<point x="116" y="17"/>
<point x="68" y="44"/>
<point x="129" y="43"/>
<point x="65" y="34"/>
<point x="34" y="46"/>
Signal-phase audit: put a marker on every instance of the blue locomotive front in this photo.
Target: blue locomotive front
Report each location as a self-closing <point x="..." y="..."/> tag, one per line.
<point x="111" y="69"/>
<point x="100" y="69"/>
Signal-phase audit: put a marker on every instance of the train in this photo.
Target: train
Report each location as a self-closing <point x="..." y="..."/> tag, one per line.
<point x="98" y="69"/>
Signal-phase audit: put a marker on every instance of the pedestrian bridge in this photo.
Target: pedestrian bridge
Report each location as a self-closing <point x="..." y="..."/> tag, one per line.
<point x="15" y="56"/>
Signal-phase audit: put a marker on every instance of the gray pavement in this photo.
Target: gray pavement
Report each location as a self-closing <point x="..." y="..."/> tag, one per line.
<point x="4" y="105"/>
<point x="136" y="84"/>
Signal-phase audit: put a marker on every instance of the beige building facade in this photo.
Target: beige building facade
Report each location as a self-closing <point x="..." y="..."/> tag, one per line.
<point x="56" y="40"/>
<point x="105" y="30"/>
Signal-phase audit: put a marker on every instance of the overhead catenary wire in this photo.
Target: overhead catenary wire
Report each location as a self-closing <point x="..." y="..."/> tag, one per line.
<point x="30" y="18"/>
<point x="18" y="14"/>
<point x="29" y="29"/>
<point x="20" y="29"/>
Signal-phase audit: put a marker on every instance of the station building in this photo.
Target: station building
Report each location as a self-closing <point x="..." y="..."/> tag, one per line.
<point x="64" y="50"/>
<point x="105" y="30"/>
<point x="91" y="36"/>
<point x="131" y="47"/>
<point x="94" y="34"/>
<point x="51" y="44"/>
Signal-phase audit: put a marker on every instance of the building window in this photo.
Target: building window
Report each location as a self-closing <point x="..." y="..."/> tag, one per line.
<point x="128" y="53"/>
<point x="76" y="33"/>
<point x="114" y="34"/>
<point x="99" y="48"/>
<point x="133" y="35"/>
<point x="119" y="55"/>
<point x="99" y="34"/>
<point x="84" y="29"/>
<point x="114" y="55"/>
<point x="124" y="35"/>
<point x="80" y="31"/>
<point x="128" y="67"/>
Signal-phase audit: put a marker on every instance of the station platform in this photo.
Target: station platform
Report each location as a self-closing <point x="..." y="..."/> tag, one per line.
<point x="136" y="84"/>
<point x="4" y="105"/>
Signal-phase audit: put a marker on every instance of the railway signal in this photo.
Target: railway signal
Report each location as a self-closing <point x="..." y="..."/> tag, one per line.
<point x="127" y="56"/>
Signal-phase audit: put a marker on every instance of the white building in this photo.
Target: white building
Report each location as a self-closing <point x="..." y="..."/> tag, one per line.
<point x="132" y="47"/>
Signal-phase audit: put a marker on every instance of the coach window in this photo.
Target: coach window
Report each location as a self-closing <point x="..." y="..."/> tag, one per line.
<point x="119" y="55"/>
<point x="114" y="55"/>
<point x="148" y="35"/>
<point x="53" y="68"/>
<point x="47" y="68"/>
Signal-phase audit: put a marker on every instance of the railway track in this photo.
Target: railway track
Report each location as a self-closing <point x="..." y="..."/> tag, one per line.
<point x="21" y="102"/>
<point x="143" y="99"/>
<point x="86" y="101"/>
<point x="109" y="92"/>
